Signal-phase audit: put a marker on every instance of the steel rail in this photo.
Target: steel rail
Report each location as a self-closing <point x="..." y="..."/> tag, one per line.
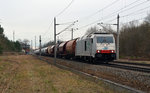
<point x="114" y="85"/>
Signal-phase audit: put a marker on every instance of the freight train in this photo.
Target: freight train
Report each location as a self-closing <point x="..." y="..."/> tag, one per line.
<point x="96" y="47"/>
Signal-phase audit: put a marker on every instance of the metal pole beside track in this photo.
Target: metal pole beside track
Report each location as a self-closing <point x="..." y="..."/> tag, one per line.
<point x="55" y="40"/>
<point x="40" y="44"/>
<point x="118" y="37"/>
<point x="35" y="42"/>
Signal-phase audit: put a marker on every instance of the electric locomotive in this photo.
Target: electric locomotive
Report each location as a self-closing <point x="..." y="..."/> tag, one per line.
<point x="96" y="47"/>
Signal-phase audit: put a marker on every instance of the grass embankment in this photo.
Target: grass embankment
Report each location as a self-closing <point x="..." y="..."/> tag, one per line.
<point x="26" y="74"/>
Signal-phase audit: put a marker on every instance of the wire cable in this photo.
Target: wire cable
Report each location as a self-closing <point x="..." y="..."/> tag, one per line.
<point x="48" y="28"/>
<point x="131" y="14"/>
<point x="133" y="20"/>
<point x="65" y="8"/>
<point x="121" y="10"/>
<point x="115" y="12"/>
<point x="107" y="6"/>
<point x="65" y="28"/>
<point x="88" y="24"/>
<point x="135" y="12"/>
<point x="67" y="22"/>
<point x="134" y="6"/>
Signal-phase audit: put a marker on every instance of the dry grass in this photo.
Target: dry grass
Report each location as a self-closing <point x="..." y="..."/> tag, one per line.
<point x="31" y="75"/>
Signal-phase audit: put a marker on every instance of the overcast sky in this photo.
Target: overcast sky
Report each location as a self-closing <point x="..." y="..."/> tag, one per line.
<point x="30" y="18"/>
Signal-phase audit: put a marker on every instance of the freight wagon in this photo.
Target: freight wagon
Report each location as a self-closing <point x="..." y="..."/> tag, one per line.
<point x="95" y="47"/>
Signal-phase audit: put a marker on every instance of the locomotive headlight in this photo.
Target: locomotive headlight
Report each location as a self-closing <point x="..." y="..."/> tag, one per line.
<point x="112" y="51"/>
<point x="98" y="51"/>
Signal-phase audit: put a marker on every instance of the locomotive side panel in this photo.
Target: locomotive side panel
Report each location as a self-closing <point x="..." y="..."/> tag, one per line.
<point x="96" y="46"/>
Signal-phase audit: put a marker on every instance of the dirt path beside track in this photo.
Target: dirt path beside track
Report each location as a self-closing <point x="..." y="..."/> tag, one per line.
<point x="26" y="74"/>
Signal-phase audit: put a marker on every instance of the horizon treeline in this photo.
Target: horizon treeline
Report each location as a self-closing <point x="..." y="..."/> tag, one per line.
<point x="7" y="45"/>
<point x="135" y="39"/>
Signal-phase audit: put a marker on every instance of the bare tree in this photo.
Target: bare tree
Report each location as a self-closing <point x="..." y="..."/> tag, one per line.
<point x="105" y="29"/>
<point x="147" y="19"/>
<point x="26" y="41"/>
<point x="91" y="30"/>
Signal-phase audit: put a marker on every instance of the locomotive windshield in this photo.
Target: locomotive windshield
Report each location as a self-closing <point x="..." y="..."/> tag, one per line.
<point x="107" y="39"/>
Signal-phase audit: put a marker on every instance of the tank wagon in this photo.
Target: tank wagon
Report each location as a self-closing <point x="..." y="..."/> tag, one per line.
<point x="51" y="50"/>
<point x="62" y="49"/>
<point x="44" y="51"/>
<point x="48" y="50"/>
<point x="70" y="48"/>
<point x="94" y="48"/>
<point x="36" y="52"/>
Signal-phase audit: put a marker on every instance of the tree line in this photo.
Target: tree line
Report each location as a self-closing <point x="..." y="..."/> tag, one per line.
<point x="134" y="38"/>
<point x="7" y="45"/>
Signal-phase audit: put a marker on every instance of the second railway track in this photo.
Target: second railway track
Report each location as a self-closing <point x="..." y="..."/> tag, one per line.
<point x="132" y="78"/>
<point x="138" y="67"/>
<point x="132" y="67"/>
<point x="133" y="63"/>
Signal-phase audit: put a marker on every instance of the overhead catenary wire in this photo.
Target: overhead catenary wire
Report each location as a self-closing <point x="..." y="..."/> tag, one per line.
<point x="107" y="15"/>
<point x="46" y="31"/>
<point x="134" y="6"/>
<point x="111" y="5"/>
<point x="111" y="20"/>
<point x="47" y="40"/>
<point x="135" y="12"/>
<point x="107" y="6"/>
<point x="87" y="25"/>
<point x="133" y="21"/>
<point x="116" y="12"/>
<point x="58" y="15"/>
<point x="67" y="23"/>
<point x="43" y="34"/>
<point x="65" y="8"/>
<point x="130" y="14"/>
<point x="51" y="26"/>
<point x="126" y="8"/>
<point x="88" y="16"/>
<point x="122" y="9"/>
<point x="67" y="27"/>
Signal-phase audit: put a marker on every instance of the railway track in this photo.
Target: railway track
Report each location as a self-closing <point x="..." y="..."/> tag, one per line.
<point x="115" y="85"/>
<point x="132" y="67"/>
<point x="139" y="67"/>
<point x="133" y="63"/>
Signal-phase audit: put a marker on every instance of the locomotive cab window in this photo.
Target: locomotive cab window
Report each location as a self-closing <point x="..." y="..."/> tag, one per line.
<point x="107" y="39"/>
<point x="85" y="45"/>
<point x="91" y="40"/>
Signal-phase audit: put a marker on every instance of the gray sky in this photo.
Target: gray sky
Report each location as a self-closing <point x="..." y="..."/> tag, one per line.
<point x="30" y="18"/>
